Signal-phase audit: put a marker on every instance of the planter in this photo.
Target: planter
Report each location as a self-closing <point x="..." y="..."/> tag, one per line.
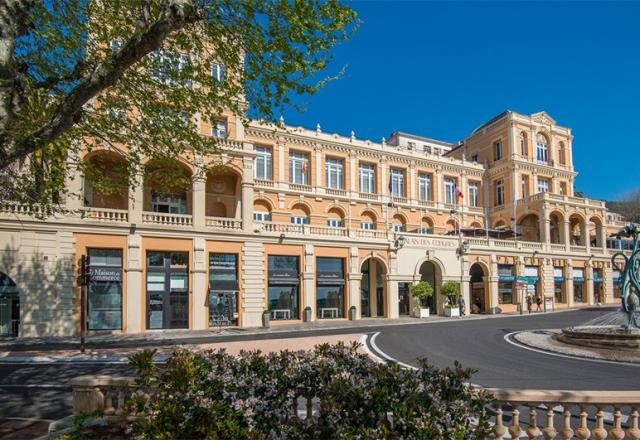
<point x="352" y="313"/>
<point x="452" y="312"/>
<point x="420" y="312"/>
<point x="307" y="314"/>
<point x="265" y="320"/>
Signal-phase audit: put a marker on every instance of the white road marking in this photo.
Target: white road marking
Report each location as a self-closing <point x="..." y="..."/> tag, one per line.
<point x="381" y="353"/>
<point x="34" y="385"/>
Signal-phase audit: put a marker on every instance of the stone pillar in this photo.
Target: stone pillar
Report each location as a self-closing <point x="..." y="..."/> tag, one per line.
<point x="384" y="179"/>
<point x="74" y="182"/>
<point x="282" y="160"/>
<point x="494" y="302"/>
<point x="247" y="194"/>
<point x="136" y="198"/>
<point x="355" y="279"/>
<point x="318" y="182"/>
<point x="200" y="286"/>
<point x="607" y="274"/>
<point x="438" y="195"/>
<point x="588" y="279"/>
<point x="545" y="227"/>
<point x="465" y="290"/>
<point x="393" y="298"/>
<point x="584" y="237"/>
<point x="566" y="232"/>
<point x="413" y="182"/>
<point x="465" y="192"/>
<point x="308" y="279"/>
<point x="199" y="202"/>
<point x="568" y="280"/>
<point x="135" y="315"/>
<point x="602" y="238"/>
<point x="353" y="174"/>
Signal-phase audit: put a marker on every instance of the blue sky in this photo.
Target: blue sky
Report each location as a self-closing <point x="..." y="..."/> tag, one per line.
<point x="441" y="69"/>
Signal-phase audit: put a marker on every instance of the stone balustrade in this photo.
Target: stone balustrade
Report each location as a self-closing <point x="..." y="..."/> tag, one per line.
<point x="223" y="223"/>
<point x="165" y="219"/>
<point x="106" y="215"/>
<point x="565" y="415"/>
<point x="534" y="414"/>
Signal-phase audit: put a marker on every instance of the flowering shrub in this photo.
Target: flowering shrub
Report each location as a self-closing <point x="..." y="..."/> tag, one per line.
<point x="346" y="395"/>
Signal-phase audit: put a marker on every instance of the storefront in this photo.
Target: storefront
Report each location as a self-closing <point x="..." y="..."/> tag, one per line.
<point x="330" y="297"/>
<point x="578" y="285"/>
<point x="558" y="285"/>
<point x="531" y="278"/>
<point x="104" y="292"/>
<point x="9" y="307"/>
<point x="598" y="286"/>
<point x="223" y="289"/>
<point x="284" y="287"/>
<point x="506" y="280"/>
<point x="167" y="290"/>
<point x="404" y="307"/>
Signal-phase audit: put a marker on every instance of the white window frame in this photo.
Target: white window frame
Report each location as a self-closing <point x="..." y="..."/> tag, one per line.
<point x="425" y="185"/>
<point x="299" y="220"/>
<point x="334" y="173"/>
<point x="499" y="201"/>
<point x="334" y="223"/>
<point x="261" y="216"/>
<point x="474" y="194"/>
<point x="450" y="190"/>
<point x="397" y="182"/>
<point x="543" y="185"/>
<point x="523" y="145"/>
<point x="542" y="151"/>
<point x="219" y="129"/>
<point x="425" y="230"/>
<point x="523" y="187"/>
<point x="367" y="226"/>
<point x="263" y="163"/>
<point x="398" y="227"/>
<point x="367" y="177"/>
<point x="298" y="161"/>
<point x="218" y="71"/>
<point x="174" y="204"/>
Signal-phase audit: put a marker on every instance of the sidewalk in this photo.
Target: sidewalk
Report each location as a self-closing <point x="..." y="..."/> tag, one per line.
<point x="116" y="348"/>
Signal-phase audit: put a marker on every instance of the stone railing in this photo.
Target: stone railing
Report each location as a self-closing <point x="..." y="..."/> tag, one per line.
<point x="223" y="223"/>
<point x="371" y="234"/>
<point x="532" y="414"/>
<point x="300" y="187"/>
<point x="14" y="208"/>
<point x="581" y="414"/>
<point x="577" y="248"/>
<point x="369" y="196"/>
<point x="165" y="219"/>
<point x="279" y="227"/>
<point x="557" y="246"/>
<point x="336" y="192"/>
<point x="106" y="214"/>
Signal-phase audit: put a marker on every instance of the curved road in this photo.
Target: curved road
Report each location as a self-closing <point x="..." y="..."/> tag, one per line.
<point x="480" y="344"/>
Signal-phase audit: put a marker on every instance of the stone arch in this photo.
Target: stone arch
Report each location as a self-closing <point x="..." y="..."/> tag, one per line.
<point x="162" y="196"/>
<point x="222" y="187"/>
<point x="529" y="227"/>
<point x="431" y="270"/>
<point x="378" y="257"/>
<point x="9" y="306"/>
<point x="103" y="183"/>
<point x="399" y="220"/>
<point x="263" y="202"/>
<point x="452" y="225"/>
<point x="556" y="227"/>
<point x="478" y="288"/>
<point x="500" y="222"/>
<point x="476" y="225"/>
<point x="374" y="296"/>
<point x="595" y="225"/>
<point x="427" y="224"/>
<point x="336" y="208"/>
<point x="300" y="208"/>
<point x="577" y="229"/>
<point x="299" y="202"/>
<point x="524" y="147"/>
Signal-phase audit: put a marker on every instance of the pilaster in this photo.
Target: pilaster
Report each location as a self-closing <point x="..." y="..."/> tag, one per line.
<point x="355" y="278"/>
<point x="588" y="275"/>
<point x="136" y="198"/>
<point x="569" y="283"/>
<point x="200" y="285"/>
<point x="308" y="279"/>
<point x="247" y="194"/>
<point x="134" y="304"/>
<point x="199" y="201"/>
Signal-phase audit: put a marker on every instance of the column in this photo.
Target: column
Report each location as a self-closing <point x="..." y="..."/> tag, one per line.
<point x="74" y="183"/>
<point x="282" y="178"/>
<point x="319" y="184"/>
<point x="247" y="194"/>
<point x="438" y="188"/>
<point x="607" y="274"/>
<point x="413" y="182"/>
<point x="134" y="304"/>
<point x="465" y="193"/>
<point x="199" y="201"/>
<point x="393" y="298"/>
<point x="513" y="152"/>
<point x="566" y="235"/>
<point x="568" y="280"/>
<point x="353" y="174"/>
<point x="308" y="280"/>
<point x="545" y="227"/>
<point x="588" y="269"/>
<point x="584" y="237"/>
<point x="384" y="179"/>
<point x="136" y="198"/>
<point x="355" y="280"/>
<point x="465" y="290"/>
<point x="494" y="303"/>
<point x="200" y="285"/>
<point x="602" y="237"/>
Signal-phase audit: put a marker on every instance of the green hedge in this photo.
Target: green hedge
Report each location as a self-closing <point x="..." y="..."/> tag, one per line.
<point x="214" y="395"/>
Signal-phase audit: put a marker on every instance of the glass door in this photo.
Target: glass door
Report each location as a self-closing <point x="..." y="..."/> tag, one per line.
<point x="403" y="298"/>
<point x="167" y="290"/>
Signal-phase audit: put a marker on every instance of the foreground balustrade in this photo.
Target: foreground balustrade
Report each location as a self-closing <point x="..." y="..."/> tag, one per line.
<point x="532" y="414"/>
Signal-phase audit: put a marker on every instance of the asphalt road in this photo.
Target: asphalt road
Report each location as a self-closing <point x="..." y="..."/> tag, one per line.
<point x="42" y="392"/>
<point x="480" y="344"/>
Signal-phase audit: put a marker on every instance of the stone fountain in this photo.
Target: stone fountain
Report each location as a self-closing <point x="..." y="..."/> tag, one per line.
<point x="618" y="330"/>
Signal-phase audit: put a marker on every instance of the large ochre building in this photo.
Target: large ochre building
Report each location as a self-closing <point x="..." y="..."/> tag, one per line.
<point x="303" y="224"/>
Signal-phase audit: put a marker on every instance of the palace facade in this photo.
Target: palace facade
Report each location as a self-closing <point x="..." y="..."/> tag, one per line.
<point x="306" y="225"/>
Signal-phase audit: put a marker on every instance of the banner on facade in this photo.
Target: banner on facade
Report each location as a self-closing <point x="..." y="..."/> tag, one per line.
<point x="106" y="274"/>
<point x="330" y="278"/>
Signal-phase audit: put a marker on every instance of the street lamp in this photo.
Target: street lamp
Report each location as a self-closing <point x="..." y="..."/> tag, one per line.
<point x="399" y="241"/>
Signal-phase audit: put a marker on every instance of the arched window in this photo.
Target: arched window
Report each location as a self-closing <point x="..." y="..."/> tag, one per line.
<point x="261" y="211"/>
<point x="523" y="144"/>
<point x="426" y="226"/>
<point x="398" y="223"/>
<point x="334" y="219"/>
<point x="561" y="153"/>
<point x="542" y="149"/>
<point x="299" y="215"/>
<point x="368" y="221"/>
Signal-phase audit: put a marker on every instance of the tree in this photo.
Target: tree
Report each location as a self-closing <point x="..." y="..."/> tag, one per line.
<point x="451" y="290"/>
<point x="136" y="76"/>
<point x="422" y="290"/>
<point x="629" y="206"/>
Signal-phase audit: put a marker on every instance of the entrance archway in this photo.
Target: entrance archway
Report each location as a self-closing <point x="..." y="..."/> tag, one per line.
<point x="477" y="289"/>
<point x="373" y="289"/>
<point x="9" y="307"/>
<point x="430" y="273"/>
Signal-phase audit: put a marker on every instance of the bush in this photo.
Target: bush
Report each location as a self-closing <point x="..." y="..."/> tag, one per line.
<point x="451" y="290"/>
<point x="211" y="394"/>
<point x="422" y="290"/>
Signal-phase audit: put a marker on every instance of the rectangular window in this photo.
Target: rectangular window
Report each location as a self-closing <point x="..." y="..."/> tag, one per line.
<point x="334" y="223"/>
<point x="223" y="289"/>
<point x="425" y="230"/>
<point x="218" y="71"/>
<point x="424" y="186"/>
<point x="299" y="220"/>
<point x="499" y="193"/>
<point x="334" y="173"/>
<point x="261" y="216"/>
<point x="396" y="182"/>
<point x="219" y="129"/>
<point x="263" y="163"/>
<point x="104" y="301"/>
<point x="298" y="168"/>
<point x="449" y="190"/>
<point x="330" y="299"/>
<point x="523" y="189"/>
<point x="505" y="283"/>
<point x="366" y="226"/>
<point x="283" y="291"/>
<point x="541" y="151"/>
<point x="578" y="285"/>
<point x="543" y="185"/>
<point x="169" y="203"/>
<point x="497" y="150"/>
<point x="474" y="194"/>
<point x="398" y="227"/>
<point x="563" y="188"/>
<point x="474" y="157"/>
<point x="367" y="175"/>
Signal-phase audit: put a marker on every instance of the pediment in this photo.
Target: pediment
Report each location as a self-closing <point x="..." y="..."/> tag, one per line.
<point x="543" y="118"/>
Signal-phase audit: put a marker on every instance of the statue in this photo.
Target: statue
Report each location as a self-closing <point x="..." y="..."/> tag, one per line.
<point x="629" y="282"/>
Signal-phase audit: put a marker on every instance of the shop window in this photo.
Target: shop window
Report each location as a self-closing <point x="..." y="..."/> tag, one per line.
<point x="505" y="283"/>
<point x="330" y="288"/>
<point x="578" y="285"/>
<point x="104" y="299"/>
<point x="167" y="290"/>
<point x="558" y="285"/>
<point x="284" y="287"/>
<point x="223" y="289"/>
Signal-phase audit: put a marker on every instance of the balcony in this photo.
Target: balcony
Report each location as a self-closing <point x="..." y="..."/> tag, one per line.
<point x="106" y="215"/>
<point x="265" y="183"/>
<point x="165" y="219"/>
<point x="223" y="223"/>
<point x="336" y="192"/>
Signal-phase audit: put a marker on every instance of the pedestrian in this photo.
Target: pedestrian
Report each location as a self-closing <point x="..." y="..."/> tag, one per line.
<point x="529" y="301"/>
<point x="461" y="304"/>
<point x="538" y="303"/>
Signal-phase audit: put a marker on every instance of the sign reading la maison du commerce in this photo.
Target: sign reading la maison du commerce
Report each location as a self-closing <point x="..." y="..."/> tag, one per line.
<point x="431" y="242"/>
<point x="106" y="274"/>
